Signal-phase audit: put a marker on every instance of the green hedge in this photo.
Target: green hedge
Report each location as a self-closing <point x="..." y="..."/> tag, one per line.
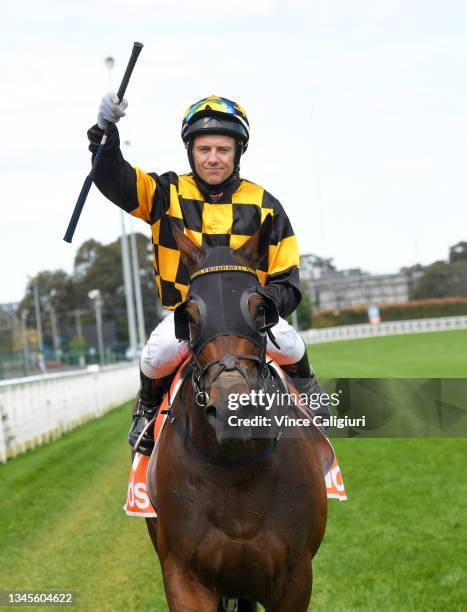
<point x="416" y="309"/>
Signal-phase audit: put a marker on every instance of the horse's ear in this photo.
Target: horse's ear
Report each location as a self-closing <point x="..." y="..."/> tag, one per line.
<point x="190" y="253"/>
<point x="253" y="251"/>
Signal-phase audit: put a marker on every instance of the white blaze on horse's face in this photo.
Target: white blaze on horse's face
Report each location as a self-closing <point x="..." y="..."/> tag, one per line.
<point x="214" y="157"/>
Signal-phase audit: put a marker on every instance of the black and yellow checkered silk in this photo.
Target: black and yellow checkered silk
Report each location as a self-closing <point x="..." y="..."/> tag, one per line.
<point x="228" y="224"/>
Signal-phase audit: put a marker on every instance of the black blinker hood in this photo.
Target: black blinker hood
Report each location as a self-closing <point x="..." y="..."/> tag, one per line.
<point x="222" y="299"/>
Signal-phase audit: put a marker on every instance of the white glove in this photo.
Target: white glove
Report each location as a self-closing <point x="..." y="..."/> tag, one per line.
<point x="110" y="110"/>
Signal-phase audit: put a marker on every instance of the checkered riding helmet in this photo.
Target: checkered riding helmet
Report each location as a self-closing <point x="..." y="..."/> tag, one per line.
<point x="215" y="115"/>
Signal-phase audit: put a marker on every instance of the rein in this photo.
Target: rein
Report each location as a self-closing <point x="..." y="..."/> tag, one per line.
<point x="182" y="431"/>
<point x="195" y="450"/>
<point x="228" y="363"/>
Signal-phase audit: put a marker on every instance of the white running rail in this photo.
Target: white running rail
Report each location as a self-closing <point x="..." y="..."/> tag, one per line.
<point x="37" y="409"/>
<point x="367" y="330"/>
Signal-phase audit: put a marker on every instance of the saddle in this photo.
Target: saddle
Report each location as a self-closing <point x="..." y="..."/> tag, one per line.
<point x="141" y="499"/>
<point x="323" y="446"/>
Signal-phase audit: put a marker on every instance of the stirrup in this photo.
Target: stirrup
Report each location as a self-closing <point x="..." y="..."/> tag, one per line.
<point x="143" y="433"/>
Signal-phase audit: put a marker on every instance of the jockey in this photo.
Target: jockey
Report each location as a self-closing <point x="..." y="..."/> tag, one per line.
<point x="215" y="207"/>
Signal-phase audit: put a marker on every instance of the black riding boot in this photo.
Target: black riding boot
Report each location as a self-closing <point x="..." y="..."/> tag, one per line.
<point x="147" y="403"/>
<point x="305" y="381"/>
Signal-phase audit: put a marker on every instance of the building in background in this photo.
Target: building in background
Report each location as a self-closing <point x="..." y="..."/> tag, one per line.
<point x="333" y="289"/>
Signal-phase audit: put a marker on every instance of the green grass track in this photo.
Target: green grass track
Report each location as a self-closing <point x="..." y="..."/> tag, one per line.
<point x="63" y="527"/>
<point x="399" y="543"/>
<point x="430" y="355"/>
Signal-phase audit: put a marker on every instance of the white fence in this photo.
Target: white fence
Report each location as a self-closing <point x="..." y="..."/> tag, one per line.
<point x="37" y="409"/>
<point x="351" y="332"/>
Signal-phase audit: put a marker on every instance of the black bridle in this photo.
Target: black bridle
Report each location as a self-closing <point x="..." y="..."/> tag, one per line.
<point x="228" y="316"/>
<point x="183" y="430"/>
<point x="227" y="363"/>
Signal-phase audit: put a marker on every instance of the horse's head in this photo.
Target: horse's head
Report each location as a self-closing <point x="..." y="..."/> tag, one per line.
<point x="225" y="319"/>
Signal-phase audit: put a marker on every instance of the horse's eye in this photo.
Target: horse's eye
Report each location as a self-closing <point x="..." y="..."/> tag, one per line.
<point x="192" y="314"/>
<point x="193" y="325"/>
<point x="260" y="317"/>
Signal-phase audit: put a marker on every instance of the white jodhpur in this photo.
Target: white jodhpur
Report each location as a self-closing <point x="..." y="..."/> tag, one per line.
<point x="163" y="352"/>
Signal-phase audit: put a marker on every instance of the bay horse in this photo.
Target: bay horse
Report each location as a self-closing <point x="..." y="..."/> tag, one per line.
<point x="240" y="516"/>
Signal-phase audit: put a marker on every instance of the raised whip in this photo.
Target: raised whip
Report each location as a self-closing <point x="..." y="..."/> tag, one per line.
<point x="137" y="46"/>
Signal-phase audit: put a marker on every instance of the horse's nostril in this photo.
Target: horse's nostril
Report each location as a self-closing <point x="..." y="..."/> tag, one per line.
<point x="210" y="410"/>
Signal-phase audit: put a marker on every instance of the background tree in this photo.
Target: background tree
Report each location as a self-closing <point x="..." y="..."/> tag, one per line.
<point x="458" y="252"/>
<point x="56" y="289"/>
<point x="99" y="266"/>
<point x="442" y="279"/>
<point x="305" y="309"/>
<point x="96" y="266"/>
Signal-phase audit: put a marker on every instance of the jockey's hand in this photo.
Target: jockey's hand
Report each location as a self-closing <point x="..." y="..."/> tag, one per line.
<point x="110" y="111"/>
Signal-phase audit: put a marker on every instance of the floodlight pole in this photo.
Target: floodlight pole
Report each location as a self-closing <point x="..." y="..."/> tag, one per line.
<point x="95" y="296"/>
<point x="126" y="266"/>
<point x="24" y="339"/>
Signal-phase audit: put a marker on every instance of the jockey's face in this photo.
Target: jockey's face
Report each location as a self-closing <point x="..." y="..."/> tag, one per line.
<point x="214" y="157"/>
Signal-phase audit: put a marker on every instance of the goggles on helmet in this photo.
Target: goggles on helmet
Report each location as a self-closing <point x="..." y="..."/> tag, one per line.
<point x="231" y="119"/>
